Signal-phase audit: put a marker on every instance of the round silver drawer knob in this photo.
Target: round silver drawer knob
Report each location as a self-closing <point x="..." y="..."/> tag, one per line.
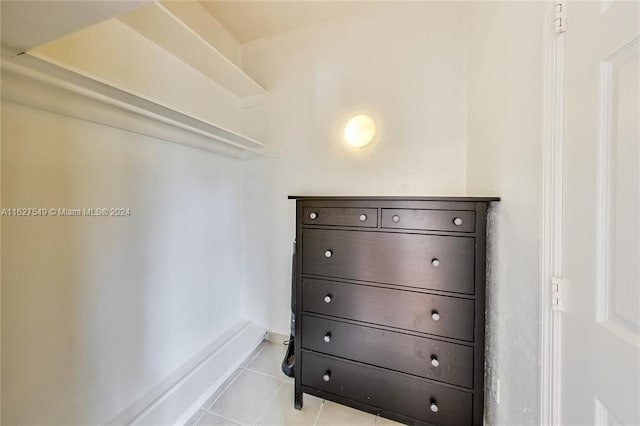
<point x="434" y="315"/>
<point x="313" y="215"/>
<point x="363" y="218"/>
<point x="327" y="376"/>
<point x="457" y="221"/>
<point x="395" y="218"/>
<point x="434" y="361"/>
<point x="327" y="299"/>
<point x="435" y="263"/>
<point x="328" y="253"/>
<point x="327" y="338"/>
<point x="434" y="407"/>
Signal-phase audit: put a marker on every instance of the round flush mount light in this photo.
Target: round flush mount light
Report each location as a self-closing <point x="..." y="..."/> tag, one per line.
<point x="359" y="131"/>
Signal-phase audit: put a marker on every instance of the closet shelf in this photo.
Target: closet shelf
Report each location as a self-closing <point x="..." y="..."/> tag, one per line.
<point x="171" y="124"/>
<point x="171" y="32"/>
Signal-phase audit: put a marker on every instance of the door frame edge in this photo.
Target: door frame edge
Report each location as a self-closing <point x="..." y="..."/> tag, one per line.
<point x="551" y="219"/>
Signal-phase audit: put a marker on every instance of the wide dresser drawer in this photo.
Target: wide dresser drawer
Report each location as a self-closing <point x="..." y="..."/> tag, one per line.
<point x="424" y="261"/>
<point x="426" y="313"/>
<point x="420" y="356"/>
<point x="396" y="392"/>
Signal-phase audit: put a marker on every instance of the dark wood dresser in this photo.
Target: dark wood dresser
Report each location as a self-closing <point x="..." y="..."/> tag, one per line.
<point x="390" y="305"/>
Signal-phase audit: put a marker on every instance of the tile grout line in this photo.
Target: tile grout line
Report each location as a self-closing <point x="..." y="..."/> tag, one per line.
<point x="235" y="374"/>
<point x="266" y="406"/>
<point x="211" y="411"/>
<point x="315" y="421"/>
<point x="262" y="373"/>
<point x="226" y="418"/>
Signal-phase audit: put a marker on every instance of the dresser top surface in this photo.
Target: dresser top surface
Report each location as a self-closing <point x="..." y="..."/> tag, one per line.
<point x="395" y="198"/>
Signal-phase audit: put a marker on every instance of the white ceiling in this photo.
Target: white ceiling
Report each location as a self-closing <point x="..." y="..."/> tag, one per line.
<point x="27" y="24"/>
<point x="251" y="20"/>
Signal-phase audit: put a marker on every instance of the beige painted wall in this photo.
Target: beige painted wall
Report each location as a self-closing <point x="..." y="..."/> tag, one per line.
<point x="405" y="65"/>
<point x="504" y="158"/>
<point x="96" y="311"/>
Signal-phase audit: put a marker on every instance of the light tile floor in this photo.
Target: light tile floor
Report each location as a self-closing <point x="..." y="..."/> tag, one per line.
<point x="258" y="393"/>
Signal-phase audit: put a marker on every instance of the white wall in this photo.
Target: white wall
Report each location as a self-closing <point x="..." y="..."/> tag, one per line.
<point x="404" y="64"/>
<point x="504" y="158"/>
<point x="96" y="311"/>
<point x="456" y="91"/>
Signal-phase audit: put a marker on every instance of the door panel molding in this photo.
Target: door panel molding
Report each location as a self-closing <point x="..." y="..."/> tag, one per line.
<point x="613" y="302"/>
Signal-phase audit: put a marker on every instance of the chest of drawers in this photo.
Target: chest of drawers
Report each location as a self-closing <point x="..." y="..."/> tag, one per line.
<point x="390" y="305"/>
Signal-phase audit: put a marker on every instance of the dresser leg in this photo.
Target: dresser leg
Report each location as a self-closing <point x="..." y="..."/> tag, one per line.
<point x="298" y="401"/>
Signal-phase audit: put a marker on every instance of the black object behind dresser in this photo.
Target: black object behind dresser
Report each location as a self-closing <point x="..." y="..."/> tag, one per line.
<point x="390" y="304"/>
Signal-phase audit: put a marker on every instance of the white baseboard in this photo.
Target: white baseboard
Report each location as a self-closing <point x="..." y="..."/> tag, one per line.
<point x="277" y="338"/>
<point x="177" y="398"/>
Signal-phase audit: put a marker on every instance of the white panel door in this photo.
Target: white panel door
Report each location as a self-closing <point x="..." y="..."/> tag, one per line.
<point x="600" y="372"/>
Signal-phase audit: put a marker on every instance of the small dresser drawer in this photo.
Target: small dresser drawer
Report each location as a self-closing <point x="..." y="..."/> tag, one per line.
<point x="336" y="216"/>
<point x="424" y="261"/>
<point x="410" y="396"/>
<point x="432" y="359"/>
<point x="429" y="220"/>
<point x="425" y="313"/>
